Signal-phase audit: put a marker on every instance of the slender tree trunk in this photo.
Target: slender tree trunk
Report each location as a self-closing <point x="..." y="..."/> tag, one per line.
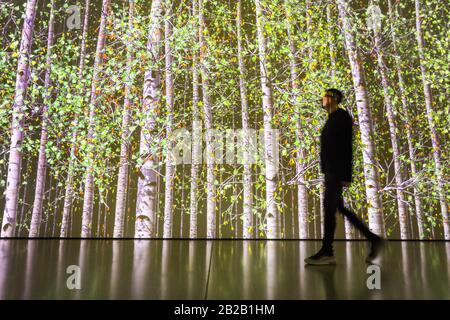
<point x="349" y="230"/>
<point x="270" y="169"/>
<point x="401" y="202"/>
<point x="292" y="213"/>
<point x="88" y="201"/>
<point x="147" y="184"/>
<point x="434" y="136"/>
<point x="99" y="215"/>
<point x="331" y="44"/>
<point x="348" y="227"/>
<point x="234" y="183"/>
<point x="127" y="218"/>
<point x="371" y="174"/>
<point x="182" y="209"/>
<point x="22" y="216"/>
<point x="84" y="37"/>
<point x="196" y="131"/>
<point x="210" y="174"/>
<point x="405" y="110"/>
<point x="302" y="192"/>
<point x="157" y="225"/>
<point x="247" y="228"/>
<point x="122" y="180"/>
<point x="170" y="169"/>
<point x="17" y="127"/>
<point x="68" y="190"/>
<point x="36" y="216"/>
<point x="308" y="30"/>
<point x="49" y="198"/>
<point x="105" y="219"/>
<point x="55" y="210"/>
<point x="68" y="194"/>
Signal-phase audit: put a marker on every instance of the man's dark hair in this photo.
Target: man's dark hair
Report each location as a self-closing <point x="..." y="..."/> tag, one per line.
<point x="336" y="94"/>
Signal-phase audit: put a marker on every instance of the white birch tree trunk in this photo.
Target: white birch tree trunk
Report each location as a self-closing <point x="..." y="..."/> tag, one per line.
<point x="68" y="194"/>
<point x="15" y="150"/>
<point x="145" y="226"/>
<point x="170" y="168"/>
<point x="247" y="229"/>
<point x="434" y="136"/>
<point x="36" y="216"/>
<point x="401" y="201"/>
<point x="302" y="192"/>
<point x="348" y="227"/>
<point x="331" y="44"/>
<point x="88" y="201"/>
<point x="122" y="180"/>
<point x="211" y="229"/>
<point x="371" y="174"/>
<point x="270" y="169"/>
<point x="196" y="132"/>
<point x="412" y="156"/>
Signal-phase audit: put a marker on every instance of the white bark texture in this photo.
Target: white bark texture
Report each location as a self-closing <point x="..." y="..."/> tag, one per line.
<point x="88" y="201"/>
<point x="122" y="179"/>
<point x="68" y="193"/>
<point x="302" y="192"/>
<point x="145" y="226"/>
<point x="211" y="229"/>
<point x="271" y="223"/>
<point x="36" y="216"/>
<point x="170" y="167"/>
<point x="371" y="174"/>
<point x="398" y="172"/>
<point x="409" y="136"/>
<point x="196" y="132"/>
<point x="434" y="136"/>
<point x="17" y="129"/>
<point x="247" y="228"/>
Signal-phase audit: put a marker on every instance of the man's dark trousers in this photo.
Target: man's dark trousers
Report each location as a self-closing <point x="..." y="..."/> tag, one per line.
<point x="332" y="201"/>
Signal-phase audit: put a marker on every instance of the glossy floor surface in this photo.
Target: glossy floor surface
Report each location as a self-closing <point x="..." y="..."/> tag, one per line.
<point x="218" y="269"/>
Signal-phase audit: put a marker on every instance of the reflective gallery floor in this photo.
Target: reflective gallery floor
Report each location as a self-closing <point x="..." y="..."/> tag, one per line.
<point x="218" y="269"/>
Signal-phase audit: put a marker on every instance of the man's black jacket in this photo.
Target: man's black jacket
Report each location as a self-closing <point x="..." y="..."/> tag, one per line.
<point x="336" y="152"/>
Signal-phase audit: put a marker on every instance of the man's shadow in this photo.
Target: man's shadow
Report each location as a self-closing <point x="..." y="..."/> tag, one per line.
<point x="326" y="275"/>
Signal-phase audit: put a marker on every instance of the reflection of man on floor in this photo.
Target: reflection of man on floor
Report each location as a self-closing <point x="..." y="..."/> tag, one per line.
<point x="336" y="164"/>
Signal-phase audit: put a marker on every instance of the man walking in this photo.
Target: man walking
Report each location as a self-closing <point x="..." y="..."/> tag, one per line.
<point x="336" y="163"/>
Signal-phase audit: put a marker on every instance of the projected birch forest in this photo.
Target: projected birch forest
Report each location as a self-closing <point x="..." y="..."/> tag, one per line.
<point x="202" y="118"/>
